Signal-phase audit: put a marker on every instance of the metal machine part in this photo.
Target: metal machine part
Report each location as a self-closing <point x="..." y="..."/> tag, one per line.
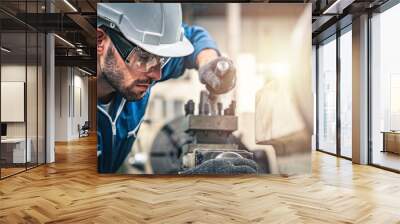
<point x="193" y="139"/>
<point x="202" y="155"/>
<point x="210" y="133"/>
<point x="166" y="150"/>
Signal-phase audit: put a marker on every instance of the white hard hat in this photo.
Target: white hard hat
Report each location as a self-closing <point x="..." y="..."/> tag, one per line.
<point x="155" y="27"/>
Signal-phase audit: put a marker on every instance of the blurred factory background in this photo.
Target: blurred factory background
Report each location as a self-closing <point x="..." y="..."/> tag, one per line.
<point x="262" y="41"/>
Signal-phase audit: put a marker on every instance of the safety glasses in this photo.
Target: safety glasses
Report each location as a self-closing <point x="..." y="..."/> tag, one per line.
<point x="134" y="55"/>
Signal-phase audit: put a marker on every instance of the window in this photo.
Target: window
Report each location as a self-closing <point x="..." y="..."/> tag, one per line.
<point x="22" y="75"/>
<point x="346" y="93"/>
<point x="394" y="102"/>
<point x="385" y="88"/>
<point x="327" y="96"/>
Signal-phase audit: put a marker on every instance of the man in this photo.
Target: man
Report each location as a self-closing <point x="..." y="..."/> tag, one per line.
<point x="139" y="45"/>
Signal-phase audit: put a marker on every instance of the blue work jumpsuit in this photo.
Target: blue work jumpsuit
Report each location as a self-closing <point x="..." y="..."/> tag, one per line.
<point x="117" y="128"/>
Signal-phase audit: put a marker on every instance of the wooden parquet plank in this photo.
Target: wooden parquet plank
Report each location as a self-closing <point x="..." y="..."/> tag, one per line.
<point x="71" y="191"/>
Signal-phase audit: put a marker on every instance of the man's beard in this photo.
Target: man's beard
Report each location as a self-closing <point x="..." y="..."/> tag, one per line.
<point x="114" y="78"/>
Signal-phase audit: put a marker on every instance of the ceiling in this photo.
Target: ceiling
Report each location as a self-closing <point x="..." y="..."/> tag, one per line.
<point x="75" y="22"/>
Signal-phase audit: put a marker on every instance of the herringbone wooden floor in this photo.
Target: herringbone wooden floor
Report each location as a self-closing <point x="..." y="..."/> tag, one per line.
<point x="71" y="191"/>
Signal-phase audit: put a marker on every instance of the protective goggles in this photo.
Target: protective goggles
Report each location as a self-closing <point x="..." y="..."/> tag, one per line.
<point x="132" y="54"/>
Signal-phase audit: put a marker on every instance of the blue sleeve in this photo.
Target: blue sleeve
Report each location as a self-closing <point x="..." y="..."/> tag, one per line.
<point x="200" y="40"/>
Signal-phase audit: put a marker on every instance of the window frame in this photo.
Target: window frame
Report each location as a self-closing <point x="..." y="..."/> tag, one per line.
<point x="334" y="37"/>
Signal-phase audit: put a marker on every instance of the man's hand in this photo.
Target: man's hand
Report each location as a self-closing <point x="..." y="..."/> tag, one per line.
<point x="225" y="166"/>
<point x="217" y="73"/>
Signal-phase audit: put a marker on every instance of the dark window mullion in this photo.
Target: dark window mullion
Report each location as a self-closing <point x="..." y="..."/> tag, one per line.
<point x="26" y="86"/>
<point x="37" y="91"/>
<point x="317" y="96"/>
<point x="338" y="91"/>
<point x="0" y="96"/>
<point x="46" y="35"/>
<point x="369" y="95"/>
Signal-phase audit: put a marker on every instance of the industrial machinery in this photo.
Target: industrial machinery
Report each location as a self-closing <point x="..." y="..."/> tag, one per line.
<point x="189" y="141"/>
<point x="210" y="134"/>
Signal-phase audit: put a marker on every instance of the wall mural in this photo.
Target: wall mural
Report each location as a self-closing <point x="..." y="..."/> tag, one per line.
<point x="204" y="89"/>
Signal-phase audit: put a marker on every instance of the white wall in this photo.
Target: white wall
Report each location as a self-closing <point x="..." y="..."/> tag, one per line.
<point x="70" y="84"/>
<point x="79" y="117"/>
<point x="33" y="126"/>
<point x="16" y="73"/>
<point x="61" y="104"/>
